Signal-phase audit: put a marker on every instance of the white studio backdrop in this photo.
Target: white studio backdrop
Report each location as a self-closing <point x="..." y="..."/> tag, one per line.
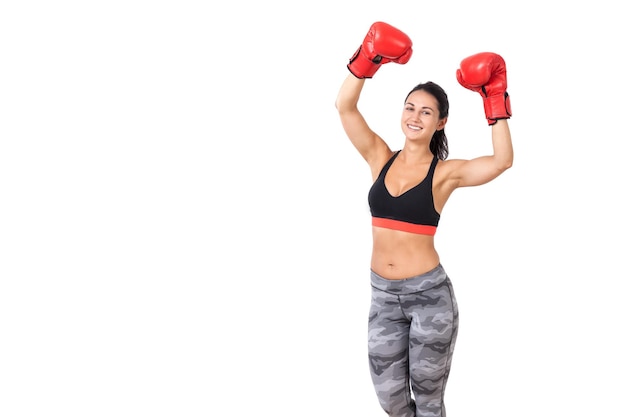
<point x="184" y="227"/>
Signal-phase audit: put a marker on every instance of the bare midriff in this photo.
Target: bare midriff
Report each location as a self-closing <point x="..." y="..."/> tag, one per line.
<point x="399" y="255"/>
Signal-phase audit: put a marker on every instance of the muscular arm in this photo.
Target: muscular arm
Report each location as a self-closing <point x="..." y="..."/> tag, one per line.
<point x="371" y="147"/>
<point x="478" y="171"/>
<point x="485" y="73"/>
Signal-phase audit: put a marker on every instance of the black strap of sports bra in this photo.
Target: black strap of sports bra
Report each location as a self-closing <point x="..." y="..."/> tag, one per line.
<point x="383" y="171"/>
<point x="431" y="169"/>
<point x="433" y="164"/>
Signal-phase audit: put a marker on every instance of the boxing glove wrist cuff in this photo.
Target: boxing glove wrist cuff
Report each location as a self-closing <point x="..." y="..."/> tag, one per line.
<point x="497" y="107"/>
<point x="361" y="67"/>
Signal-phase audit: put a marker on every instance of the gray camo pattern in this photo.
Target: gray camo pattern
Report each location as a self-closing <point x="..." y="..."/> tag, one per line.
<point x="413" y="325"/>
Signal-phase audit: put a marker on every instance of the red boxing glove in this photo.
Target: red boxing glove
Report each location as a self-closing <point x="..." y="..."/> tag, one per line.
<point x="485" y="73"/>
<point x="382" y="44"/>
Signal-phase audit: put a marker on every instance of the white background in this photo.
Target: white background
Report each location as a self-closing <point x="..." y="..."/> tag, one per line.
<point x="184" y="228"/>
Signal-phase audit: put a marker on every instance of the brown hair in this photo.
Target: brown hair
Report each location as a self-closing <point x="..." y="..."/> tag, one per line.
<point x="439" y="141"/>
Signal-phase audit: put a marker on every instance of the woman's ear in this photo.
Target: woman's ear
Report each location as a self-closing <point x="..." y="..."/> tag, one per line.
<point x="442" y="123"/>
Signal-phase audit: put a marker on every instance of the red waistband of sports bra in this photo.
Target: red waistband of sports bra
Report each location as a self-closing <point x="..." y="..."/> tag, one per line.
<point x="422" y="229"/>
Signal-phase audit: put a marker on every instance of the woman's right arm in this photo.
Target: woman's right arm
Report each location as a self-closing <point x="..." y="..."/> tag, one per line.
<point x="371" y="147"/>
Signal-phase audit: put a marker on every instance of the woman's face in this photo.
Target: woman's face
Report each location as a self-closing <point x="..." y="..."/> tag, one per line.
<point x="420" y="116"/>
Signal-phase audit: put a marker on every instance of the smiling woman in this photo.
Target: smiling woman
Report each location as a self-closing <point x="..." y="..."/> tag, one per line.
<point x="413" y="318"/>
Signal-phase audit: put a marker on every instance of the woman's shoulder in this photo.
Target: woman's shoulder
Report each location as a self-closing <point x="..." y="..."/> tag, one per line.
<point x="379" y="159"/>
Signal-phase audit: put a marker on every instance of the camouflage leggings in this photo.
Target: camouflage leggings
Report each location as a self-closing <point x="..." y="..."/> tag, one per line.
<point x="412" y="331"/>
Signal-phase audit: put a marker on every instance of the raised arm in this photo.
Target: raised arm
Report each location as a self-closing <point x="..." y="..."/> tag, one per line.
<point x="481" y="170"/>
<point x="382" y="44"/>
<point x="485" y="73"/>
<point x="353" y="122"/>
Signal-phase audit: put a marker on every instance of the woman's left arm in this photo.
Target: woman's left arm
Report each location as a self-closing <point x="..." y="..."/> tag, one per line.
<point x="483" y="169"/>
<point x="485" y="73"/>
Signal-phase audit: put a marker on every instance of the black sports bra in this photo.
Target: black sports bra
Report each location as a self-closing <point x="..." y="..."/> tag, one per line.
<point x="412" y="211"/>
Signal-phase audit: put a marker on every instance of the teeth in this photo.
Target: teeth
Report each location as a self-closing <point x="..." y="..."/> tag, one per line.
<point x="414" y="127"/>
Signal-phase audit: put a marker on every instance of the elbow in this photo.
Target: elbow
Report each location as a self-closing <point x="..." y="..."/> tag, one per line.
<point x="343" y="108"/>
<point x="507" y="164"/>
<point x="345" y="104"/>
<point x="341" y="105"/>
<point x="503" y="165"/>
<point x="504" y="159"/>
<point x="509" y="160"/>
